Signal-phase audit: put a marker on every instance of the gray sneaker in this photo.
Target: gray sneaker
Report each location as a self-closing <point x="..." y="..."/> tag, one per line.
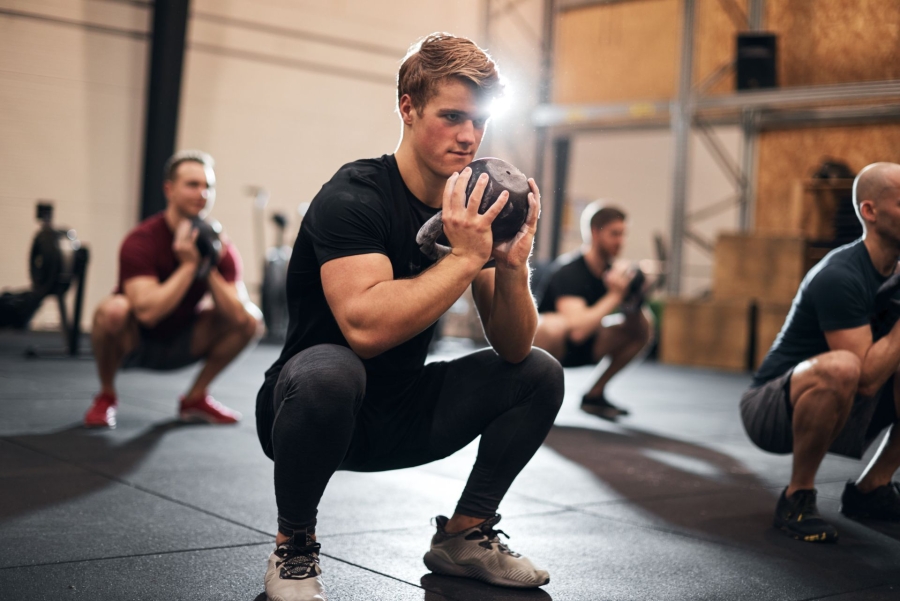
<point x="478" y="553"/>
<point x="294" y="573"/>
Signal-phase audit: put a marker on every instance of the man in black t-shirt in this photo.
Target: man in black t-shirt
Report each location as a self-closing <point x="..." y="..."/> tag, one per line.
<point x="829" y="384"/>
<point x="351" y="389"/>
<point x="577" y="322"/>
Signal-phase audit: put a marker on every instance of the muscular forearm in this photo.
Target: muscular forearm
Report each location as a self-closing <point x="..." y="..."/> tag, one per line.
<point x="512" y="322"/>
<point x="153" y="307"/>
<point x="225" y="297"/>
<point x="881" y="361"/>
<point x="391" y="312"/>
<point x="586" y="324"/>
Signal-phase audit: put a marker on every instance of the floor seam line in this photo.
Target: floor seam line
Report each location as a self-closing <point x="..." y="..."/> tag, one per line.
<point x="113" y="557"/>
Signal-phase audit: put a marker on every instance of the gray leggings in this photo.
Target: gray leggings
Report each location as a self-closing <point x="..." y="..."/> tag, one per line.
<point x="327" y="417"/>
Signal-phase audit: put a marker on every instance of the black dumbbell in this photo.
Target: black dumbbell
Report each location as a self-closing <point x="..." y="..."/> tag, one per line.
<point x="209" y="244"/>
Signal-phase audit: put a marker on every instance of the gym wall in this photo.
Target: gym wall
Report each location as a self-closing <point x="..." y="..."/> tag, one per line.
<point x="276" y="108"/>
<point x="71" y="128"/>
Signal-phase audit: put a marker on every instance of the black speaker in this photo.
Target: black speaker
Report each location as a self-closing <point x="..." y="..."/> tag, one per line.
<point x="756" y="56"/>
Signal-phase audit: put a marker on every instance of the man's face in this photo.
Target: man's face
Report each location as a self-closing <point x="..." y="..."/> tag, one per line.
<point x="192" y="192"/>
<point x="448" y="131"/>
<point x="887" y="213"/>
<point x="608" y="240"/>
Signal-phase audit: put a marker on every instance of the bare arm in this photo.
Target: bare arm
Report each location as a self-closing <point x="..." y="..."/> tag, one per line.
<point x="153" y="301"/>
<point x="376" y="312"/>
<point x="229" y="297"/>
<point x="879" y="360"/>
<point x="503" y="295"/>
<point x="584" y="320"/>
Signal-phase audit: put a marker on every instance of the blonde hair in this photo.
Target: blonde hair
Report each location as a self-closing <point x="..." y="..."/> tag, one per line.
<point x="440" y="56"/>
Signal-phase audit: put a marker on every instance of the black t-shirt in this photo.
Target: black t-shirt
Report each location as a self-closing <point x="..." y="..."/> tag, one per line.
<point x="837" y="294"/>
<point x="365" y="208"/>
<point x="571" y="277"/>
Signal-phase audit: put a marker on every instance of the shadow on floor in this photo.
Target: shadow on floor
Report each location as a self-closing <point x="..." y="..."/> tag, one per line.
<point x="441" y="588"/>
<point x="676" y="483"/>
<point x="94" y="452"/>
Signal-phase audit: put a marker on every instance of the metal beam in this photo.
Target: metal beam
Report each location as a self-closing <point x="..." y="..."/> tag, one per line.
<point x="163" y="98"/>
<point x="681" y="128"/>
<point x="749" y="146"/>
<point x="545" y="84"/>
<point x="561" y="148"/>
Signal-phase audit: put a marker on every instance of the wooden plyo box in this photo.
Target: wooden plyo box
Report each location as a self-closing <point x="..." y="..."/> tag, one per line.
<point x="769" y="320"/>
<point x="811" y="208"/>
<point x="760" y="267"/>
<point x="713" y="333"/>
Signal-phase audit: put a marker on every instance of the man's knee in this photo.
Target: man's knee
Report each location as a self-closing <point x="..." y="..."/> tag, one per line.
<point x="541" y="371"/>
<point x="251" y="322"/>
<point x="838" y="371"/>
<point x="326" y="376"/>
<point x="113" y="315"/>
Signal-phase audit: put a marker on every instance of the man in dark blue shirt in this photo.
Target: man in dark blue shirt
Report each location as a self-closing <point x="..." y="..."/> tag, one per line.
<point x="828" y="384"/>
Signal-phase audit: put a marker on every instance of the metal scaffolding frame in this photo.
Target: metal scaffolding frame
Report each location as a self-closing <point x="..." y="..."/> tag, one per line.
<point x="693" y="110"/>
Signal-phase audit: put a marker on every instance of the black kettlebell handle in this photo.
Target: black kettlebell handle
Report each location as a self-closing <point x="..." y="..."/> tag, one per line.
<point x="428" y="235"/>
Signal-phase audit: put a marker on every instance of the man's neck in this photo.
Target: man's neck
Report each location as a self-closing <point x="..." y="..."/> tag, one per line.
<point x="424" y="185"/>
<point x="884" y="255"/>
<point x="596" y="261"/>
<point x="172" y="217"/>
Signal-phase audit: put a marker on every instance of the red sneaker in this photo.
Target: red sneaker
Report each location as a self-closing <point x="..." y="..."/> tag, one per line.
<point x="102" y="413"/>
<point x="207" y="409"/>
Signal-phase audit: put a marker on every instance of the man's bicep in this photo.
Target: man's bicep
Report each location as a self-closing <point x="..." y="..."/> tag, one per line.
<point x="345" y="281"/>
<point x="856" y="340"/>
<point x="139" y="287"/>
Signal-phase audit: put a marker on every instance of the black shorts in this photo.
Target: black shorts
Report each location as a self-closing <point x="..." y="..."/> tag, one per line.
<point x="579" y="354"/>
<point x="162" y="354"/>
<point x="766" y="413"/>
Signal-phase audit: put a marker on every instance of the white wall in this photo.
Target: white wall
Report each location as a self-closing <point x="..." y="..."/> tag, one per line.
<point x="71" y="122"/>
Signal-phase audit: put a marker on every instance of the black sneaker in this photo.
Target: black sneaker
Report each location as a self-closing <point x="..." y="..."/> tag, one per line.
<point x="601" y="407"/>
<point x="883" y="503"/>
<point x="293" y="572"/>
<point x="799" y="518"/>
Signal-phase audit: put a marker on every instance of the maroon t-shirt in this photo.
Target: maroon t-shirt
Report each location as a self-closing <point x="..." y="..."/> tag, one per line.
<point x="147" y="251"/>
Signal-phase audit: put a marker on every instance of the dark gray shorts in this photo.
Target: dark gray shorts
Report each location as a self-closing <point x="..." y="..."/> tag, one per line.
<point x="162" y="354"/>
<point x="766" y="413"/>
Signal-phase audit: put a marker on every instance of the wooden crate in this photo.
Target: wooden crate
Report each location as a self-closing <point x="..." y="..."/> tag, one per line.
<point x="769" y="320"/>
<point x="758" y="267"/>
<point x="812" y="206"/>
<point x="713" y="333"/>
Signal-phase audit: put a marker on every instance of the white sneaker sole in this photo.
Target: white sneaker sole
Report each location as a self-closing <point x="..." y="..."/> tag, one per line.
<point x="441" y="565"/>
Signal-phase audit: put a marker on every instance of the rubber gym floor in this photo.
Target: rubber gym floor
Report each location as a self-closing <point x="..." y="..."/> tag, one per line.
<point x="670" y="503"/>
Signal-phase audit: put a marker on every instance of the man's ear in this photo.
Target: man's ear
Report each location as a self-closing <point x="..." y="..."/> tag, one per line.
<point x="867" y="210"/>
<point x="406" y="108"/>
<point x="167" y="188"/>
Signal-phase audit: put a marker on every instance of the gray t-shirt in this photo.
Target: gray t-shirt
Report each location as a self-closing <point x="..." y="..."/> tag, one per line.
<point x="836" y="294"/>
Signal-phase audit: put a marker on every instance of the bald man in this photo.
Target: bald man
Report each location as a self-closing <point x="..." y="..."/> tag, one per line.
<point x="829" y="384"/>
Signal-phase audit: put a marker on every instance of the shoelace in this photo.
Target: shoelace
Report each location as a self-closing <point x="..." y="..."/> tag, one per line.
<point x="806" y="506"/>
<point x="492" y="538"/>
<point x="298" y="562"/>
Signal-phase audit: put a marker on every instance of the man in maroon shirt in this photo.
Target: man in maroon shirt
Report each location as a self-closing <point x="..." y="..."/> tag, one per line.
<point x="169" y="309"/>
